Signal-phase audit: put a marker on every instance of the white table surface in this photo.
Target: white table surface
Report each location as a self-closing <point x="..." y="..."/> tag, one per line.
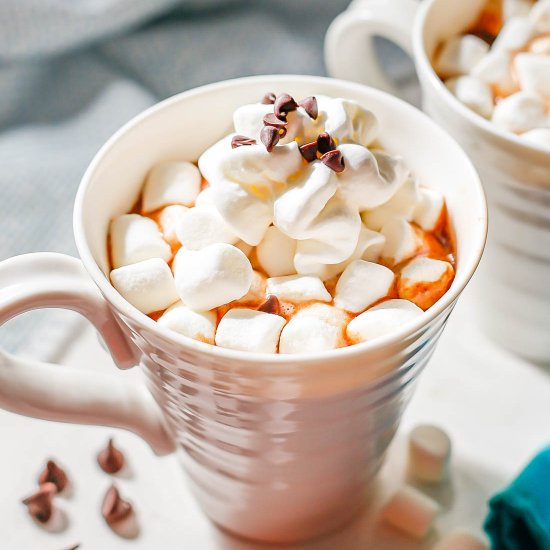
<point x="495" y="407"/>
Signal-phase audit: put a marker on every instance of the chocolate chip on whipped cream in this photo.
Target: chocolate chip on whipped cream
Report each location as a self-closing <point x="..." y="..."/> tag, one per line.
<point x="110" y="459"/>
<point x="302" y="236"/>
<point x="238" y="141"/>
<point x="40" y="504"/>
<point x="269" y="98"/>
<point x="52" y="473"/>
<point x="114" y="508"/>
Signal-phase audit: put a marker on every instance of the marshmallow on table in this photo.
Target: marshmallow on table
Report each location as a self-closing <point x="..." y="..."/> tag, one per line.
<point x="199" y="325"/>
<point x="246" y="215"/>
<point x="402" y="241"/>
<point x="148" y="285"/>
<point x="169" y="218"/>
<point x="201" y="226"/>
<point x="460" y="54"/>
<point x="539" y="136"/>
<point x="533" y="72"/>
<point x="540" y="16"/>
<point x="401" y="205"/>
<point x="429" y="453"/>
<point x="430" y="208"/>
<point x="473" y="92"/>
<point x="334" y="235"/>
<point x="514" y="35"/>
<point x="370" y="179"/>
<point x="424" y="280"/>
<point x="249" y="330"/>
<point x="135" y="238"/>
<point x="298" y="288"/>
<point x="459" y="539"/>
<point x="410" y="511"/>
<point x="495" y="69"/>
<point x="520" y="112"/>
<point x="171" y="183"/>
<point x="309" y="334"/>
<point x="361" y="285"/>
<point x="381" y="320"/>
<point x="212" y="276"/>
<point x="276" y="253"/>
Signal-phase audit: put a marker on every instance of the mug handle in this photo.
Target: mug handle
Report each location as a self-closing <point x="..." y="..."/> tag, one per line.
<point x="53" y="392"/>
<point x="349" y="47"/>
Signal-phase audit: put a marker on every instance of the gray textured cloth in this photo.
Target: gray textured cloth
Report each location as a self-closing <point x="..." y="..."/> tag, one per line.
<point x="71" y="72"/>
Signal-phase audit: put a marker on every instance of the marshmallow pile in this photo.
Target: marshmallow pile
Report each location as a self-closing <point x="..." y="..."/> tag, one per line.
<point x="294" y="234"/>
<point x="507" y="81"/>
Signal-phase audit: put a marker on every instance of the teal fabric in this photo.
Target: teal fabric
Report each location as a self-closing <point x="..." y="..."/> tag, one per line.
<point x="519" y="517"/>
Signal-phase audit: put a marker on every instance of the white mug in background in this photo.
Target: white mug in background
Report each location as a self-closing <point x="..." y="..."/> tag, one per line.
<point x="277" y="447"/>
<point x="514" y="279"/>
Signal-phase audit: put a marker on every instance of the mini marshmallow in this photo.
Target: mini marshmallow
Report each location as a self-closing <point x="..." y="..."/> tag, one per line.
<point x="515" y="8"/>
<point x="298" y="288"/>
<point x="424" y="280"/>
<point x="361" y="285"/>
<point x="326" y="313"/>
<point x="410" y="511"/>
<point x="246" y="215"/>
<point x="307" y="334"/>
<point x="540" y="45"/>
<point x="540" y="16"/>
<point x="212" y="276"/>
<point x="429" y="209"/>
<point x="402" y="241"/>
<point x="514" y="35"/>
<point x="369" y="180"/>
<point x="335" y="234"/>
<point x="295" y="210"/>
<point x="538" y="136"/>
<point x="473" y="92"/>
<point x="533" y="72"/>
<point x="171" y="183"/>
<point x="210" y="164"/>
<point x="148" y="285"/>
<point x="460" y="539"/>
<point x="135" y="238"/>
<point x="276" y="253"/>
<point x="401" y="205"/>
<point x="381" y="319"/>
<point x="168" y="220"/>
<point x="460" y="54"/>
<point x="429" y="453"/>
<point x="495" y="69"/>
<point x="520" y="112"/>
<point x="256" y="294"/>
<point x="199" y="325"/>
<point x="205" y="197"/>
<point x="249" y="330"/>
<point x="202" y="226"/>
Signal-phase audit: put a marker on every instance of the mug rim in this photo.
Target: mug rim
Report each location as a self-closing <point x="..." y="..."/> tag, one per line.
<point x="425" y="66"/>
<point x="216" y="352"/>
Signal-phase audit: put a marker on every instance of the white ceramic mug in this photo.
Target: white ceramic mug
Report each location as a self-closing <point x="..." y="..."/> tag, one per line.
<point x="514" y="279"/>
<point x="277" y="447"/>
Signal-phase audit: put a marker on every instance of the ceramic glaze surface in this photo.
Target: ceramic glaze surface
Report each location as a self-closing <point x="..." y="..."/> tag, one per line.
<point x="514" y="281"/>
<point x="277" y="448"/>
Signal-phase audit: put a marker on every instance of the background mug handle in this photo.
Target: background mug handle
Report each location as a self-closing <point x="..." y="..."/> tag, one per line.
<point x="53" y="392"/>
<point x="349" y="48"/>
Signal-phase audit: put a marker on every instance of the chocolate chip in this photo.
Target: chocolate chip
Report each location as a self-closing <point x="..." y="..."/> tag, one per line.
<point x="271" y="305"/>
<point x="309" y="151"/>
<point x="114" y="507"/>
<point x="272" y="120"/>
<point x="110" y="459"/>
<point x="269" y="98"/>
<point x="52" y="473"/>
<point x="238" y="141"/>
<point x="269" y="137"/>
<point x="325" y="143"/>
<point x="284" y="104"/>
<point x="334" y="160"/>
<point x="39" y="504"/>
<point x="309" y="104"/>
